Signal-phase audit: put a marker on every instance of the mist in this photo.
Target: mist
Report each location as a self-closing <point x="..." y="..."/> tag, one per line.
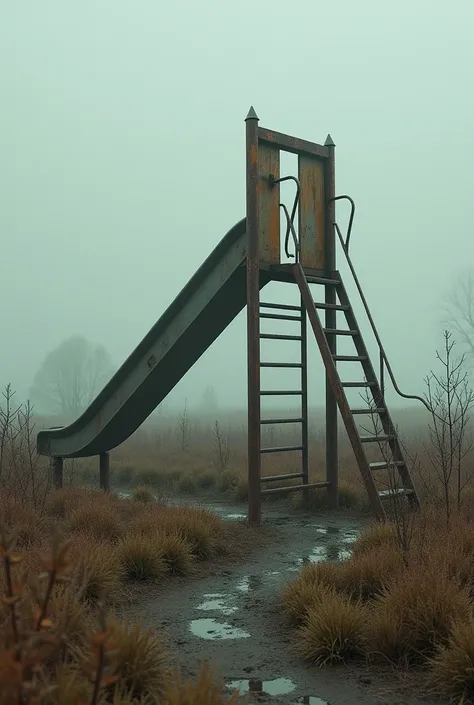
<point x="123" y="165"/>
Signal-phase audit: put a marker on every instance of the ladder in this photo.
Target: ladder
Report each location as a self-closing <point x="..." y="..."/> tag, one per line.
<point x="285" y="312"/>
<point x="387" y="436"/>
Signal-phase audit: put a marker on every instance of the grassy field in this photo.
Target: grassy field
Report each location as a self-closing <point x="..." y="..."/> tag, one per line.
<point x="405" y="597"/>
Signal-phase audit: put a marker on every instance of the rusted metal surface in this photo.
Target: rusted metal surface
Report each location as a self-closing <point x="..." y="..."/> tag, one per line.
<point x="312" y="227"/>
<point x="332" y="460"/>
<point x="268" y="203"/>
<point x="104" y="471"/>
<point x="253" y="321"/>
<point x="338" y="393"/>
<point x="292" y="144"/>
<point x="57" y="467"/>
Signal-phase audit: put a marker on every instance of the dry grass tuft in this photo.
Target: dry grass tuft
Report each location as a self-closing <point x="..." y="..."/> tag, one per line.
<point x="377" y="536"/>
<point x="99" y="519"/>
<point x="204" y="691"/>
<point x="452" y="666"/>
<point x="177" y="553"/>
<point x="367" y="573"/>
<point x="415" y="615"/>
<point x="143" y="493"/>
<point x="301" y="596"/>
<point x="98" y="572"/>
<point x="197" y="526"/>
<point x="141" y="661"/>
<point x="141" y="557"/>
<point x="334" y="630"/>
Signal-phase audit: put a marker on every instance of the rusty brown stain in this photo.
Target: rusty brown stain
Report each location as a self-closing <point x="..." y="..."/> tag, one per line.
<point x="269" y="204"/>
<point x="253" y="154"/>
<point x="311" y="212"/>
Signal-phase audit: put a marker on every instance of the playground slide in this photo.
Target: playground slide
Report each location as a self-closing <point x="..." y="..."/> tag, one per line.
<point x="204" y="308"/>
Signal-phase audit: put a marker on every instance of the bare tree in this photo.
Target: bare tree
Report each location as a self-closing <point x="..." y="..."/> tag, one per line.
<point x="70" y="377"/>
<point x="451" y="400"/>
<point x="221" y="446"/>
<point x="460" y="312"/>
<point x="183" y="426"/>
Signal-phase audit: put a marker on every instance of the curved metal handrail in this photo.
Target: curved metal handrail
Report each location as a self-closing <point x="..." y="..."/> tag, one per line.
<point x="383" y="355"/>
<point x="290" y="228"/>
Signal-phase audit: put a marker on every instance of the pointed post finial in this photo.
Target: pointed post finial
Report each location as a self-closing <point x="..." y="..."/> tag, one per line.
<point x="329" y="141"/>
<point x="252" y="115"/>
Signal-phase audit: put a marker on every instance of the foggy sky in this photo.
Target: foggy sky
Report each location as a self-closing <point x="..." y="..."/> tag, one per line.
<point x="123" y="155"/>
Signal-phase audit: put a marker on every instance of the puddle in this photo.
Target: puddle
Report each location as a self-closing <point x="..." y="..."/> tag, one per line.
<point x="277" y="686"/>
<point x="310" y="700"/>
<point x="211" y="629"/>
<point x="249" y="583"/>
<point x="217" y="602"/>
<point x="235" y="516"/>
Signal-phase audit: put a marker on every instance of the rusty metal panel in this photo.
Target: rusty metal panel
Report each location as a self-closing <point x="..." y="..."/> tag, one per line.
<point x="312" y="212"/>
<point x="295" y="145"/>
<point x="269" y="203"/>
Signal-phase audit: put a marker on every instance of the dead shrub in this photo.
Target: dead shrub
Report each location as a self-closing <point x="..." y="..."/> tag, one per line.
<point x="141" y="557"/>
<point x="452" y="667"/>
<point x="414" y="615"/>
<point x="333" y="631"/>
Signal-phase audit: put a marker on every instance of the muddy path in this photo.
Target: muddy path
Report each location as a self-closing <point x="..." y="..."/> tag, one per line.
<point x="231" y="617"/>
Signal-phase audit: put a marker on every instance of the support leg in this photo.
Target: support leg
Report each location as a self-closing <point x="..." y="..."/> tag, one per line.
<point x="104" y="471"/>
<point x="57" y="466"/>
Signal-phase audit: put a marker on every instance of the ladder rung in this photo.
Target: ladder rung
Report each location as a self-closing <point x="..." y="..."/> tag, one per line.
<point x="281" y="392"/>
<point x="280" y="307"/>
<point x="349" y="358"/>
<point x="337" y="331"/>
<point x="281" y="364"/>
<point x="400" y="491"/>
<point x="274" y="478"/>
<point x="276" y="336"/>
<point x="383" y="465"/>
<point x="281" y="449"/>
<point x="368" y="411"/>
<point x="275" y="421"/>
<point x="373" y="439"/>
<point x="321" y="280"/>
<point x="280" y="317"/>
<point x="331" y="307"/>
<point x="295" y="488"/>
<point x="358" y="384"/>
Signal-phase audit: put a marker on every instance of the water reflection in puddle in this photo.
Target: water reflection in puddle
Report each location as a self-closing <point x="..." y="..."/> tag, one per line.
<point x="277" y="686"/>
<point x="310" y="700"/>
<point x="211" y="629"/>
<point x="249" y="583"/>
<point x="217" y="602"/>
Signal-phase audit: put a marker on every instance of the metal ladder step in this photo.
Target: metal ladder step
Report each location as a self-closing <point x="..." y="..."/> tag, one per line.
<point x="276" y="336"/>
<point x="280" y="307"/>
<point x="322" y="280"/>
<point x="383" y="465"/>
<point x="277" y="421"/>
<point x="368" y="411"/>
<point x="376" y="439"/>
<point x="281" y="449"/>
<point x="331" y="307"/>
<point x="280" y="317"/>
<point x="294" y="488"/>
<point x="275" y="478"/>
<point x="338" y="331"/>
<point x="400" y="491"/>
<point x="349" y="358"/>
<point x="280" y="392"/>
<point x="282" y="364"/>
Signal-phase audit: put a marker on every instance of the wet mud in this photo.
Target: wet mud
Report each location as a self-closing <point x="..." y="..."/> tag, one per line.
<point x="232" y="618"/>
